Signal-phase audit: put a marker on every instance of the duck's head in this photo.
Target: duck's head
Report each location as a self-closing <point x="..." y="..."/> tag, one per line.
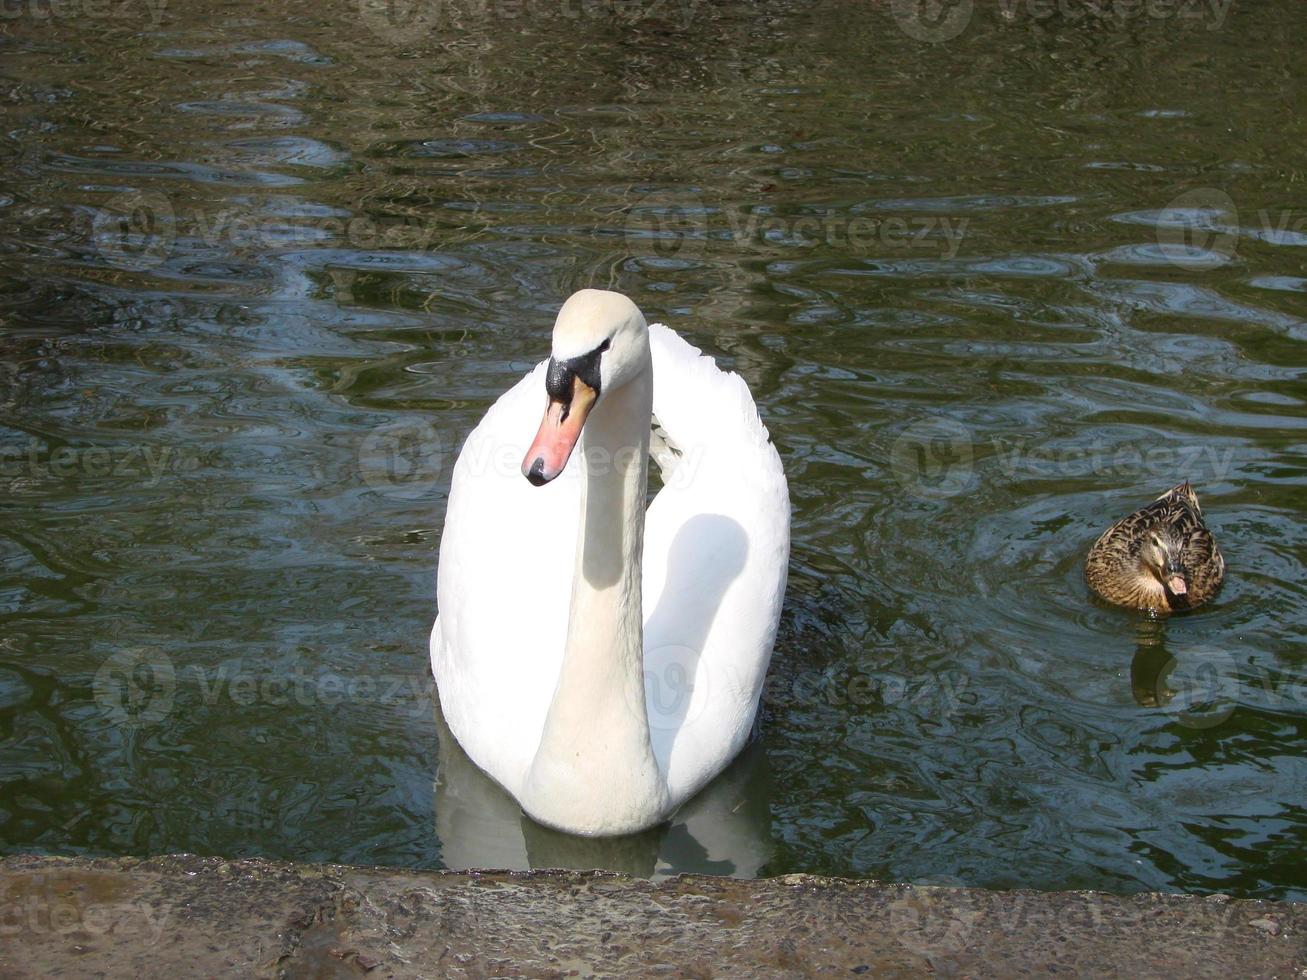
<point x="1162" y="556"/>
<point x="600" y="343"/>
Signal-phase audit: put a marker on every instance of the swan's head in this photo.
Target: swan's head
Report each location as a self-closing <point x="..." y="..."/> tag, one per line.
<point x="601" y="342"/>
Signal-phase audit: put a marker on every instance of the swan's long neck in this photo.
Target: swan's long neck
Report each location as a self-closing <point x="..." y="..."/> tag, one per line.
<point x="594" y="770"/>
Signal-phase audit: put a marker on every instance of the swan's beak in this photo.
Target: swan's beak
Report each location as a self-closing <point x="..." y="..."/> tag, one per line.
<point x="559" y="431"/>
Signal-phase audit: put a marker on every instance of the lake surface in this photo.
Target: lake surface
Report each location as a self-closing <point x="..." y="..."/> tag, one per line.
<point x="996" y="274"/>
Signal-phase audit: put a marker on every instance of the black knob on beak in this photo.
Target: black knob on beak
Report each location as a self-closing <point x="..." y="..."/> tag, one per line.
<point x="536" y="474"/>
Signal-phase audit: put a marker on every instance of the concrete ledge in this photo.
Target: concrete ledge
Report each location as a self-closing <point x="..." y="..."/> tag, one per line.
<point x="188" y="916"/>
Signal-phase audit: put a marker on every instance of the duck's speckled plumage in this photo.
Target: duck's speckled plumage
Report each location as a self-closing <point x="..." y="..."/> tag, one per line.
<point x="1116" y="570"/>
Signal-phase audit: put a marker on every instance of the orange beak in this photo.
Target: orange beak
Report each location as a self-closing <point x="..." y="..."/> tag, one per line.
<point x="559" y="431"/>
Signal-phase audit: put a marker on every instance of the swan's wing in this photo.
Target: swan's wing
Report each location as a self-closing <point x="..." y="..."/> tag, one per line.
<point x="503" y="586"/>
<point x="662" y="452"/>
<point x="715" y="561"/>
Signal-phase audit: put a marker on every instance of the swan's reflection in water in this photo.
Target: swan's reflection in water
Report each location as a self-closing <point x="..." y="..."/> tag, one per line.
<point x="724" y="830"/>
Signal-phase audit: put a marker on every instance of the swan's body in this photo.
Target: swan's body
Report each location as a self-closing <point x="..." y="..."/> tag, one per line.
<point x="601" y="662"/>
<point x="1161" y="558"/>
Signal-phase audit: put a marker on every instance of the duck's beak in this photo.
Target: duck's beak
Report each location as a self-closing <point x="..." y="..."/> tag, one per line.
<point x="1175" y="578"/>
<point x="559" y="431"/>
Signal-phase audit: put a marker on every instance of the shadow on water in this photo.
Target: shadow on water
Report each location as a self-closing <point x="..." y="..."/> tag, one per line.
<point x="724" y="830"/>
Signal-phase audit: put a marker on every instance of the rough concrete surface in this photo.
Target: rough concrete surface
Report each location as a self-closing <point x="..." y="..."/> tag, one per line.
<point x="188" y="916"/>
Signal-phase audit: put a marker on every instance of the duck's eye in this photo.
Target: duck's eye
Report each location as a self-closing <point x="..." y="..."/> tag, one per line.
<point x="1157" y="542"/>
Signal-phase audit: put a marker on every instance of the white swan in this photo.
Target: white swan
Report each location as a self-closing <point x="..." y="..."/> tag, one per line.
<point x="601" y="662"/>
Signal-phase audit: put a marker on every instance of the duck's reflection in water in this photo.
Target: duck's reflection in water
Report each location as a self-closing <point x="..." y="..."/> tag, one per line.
<point x="724" y="830"/>
<point x="1150" y="665"/>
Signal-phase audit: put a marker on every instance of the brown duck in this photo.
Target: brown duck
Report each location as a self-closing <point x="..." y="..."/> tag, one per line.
<point x="1161" y="558"/>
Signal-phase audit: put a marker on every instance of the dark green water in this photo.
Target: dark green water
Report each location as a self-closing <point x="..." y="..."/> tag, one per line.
<point x="262" y="269"/>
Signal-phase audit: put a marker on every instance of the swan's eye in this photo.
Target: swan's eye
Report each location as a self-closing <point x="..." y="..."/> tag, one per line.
<point x="558" y="381"/>
<point x="608" y="342"/>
